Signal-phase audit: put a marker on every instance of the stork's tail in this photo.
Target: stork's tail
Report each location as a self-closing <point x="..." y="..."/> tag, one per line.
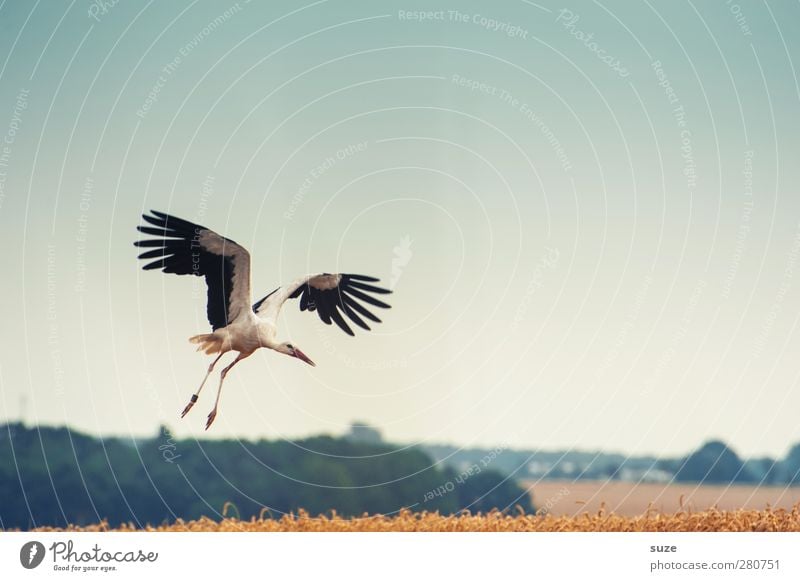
<point x="209" y="342"/>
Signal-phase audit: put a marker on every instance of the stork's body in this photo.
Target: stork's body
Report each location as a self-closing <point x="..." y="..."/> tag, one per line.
<point x="182" y="247"/>
<point x="245" y="336"/>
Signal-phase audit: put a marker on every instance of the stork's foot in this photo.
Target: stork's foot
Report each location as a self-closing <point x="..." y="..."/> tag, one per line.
<point x="189" y="405"/>
<point x="211" y="417"/>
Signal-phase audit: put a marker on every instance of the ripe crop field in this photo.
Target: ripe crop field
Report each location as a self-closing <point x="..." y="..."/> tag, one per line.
<point x="710" y="520"/>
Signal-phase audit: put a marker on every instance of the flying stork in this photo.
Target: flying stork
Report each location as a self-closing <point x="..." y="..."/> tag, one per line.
<point x="181" y="247"/>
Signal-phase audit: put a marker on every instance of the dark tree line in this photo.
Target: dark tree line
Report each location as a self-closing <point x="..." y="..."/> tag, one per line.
<point x="715" y="463"/>
<point x="55" y="476"/>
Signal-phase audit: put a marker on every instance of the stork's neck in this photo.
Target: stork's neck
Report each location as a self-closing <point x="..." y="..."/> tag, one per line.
<point x="267" y="335"/>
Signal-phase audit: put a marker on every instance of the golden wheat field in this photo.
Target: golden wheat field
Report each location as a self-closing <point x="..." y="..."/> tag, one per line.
<point x="777" y="520"/>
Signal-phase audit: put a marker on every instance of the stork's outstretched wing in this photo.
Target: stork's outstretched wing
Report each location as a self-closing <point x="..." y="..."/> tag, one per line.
<point x="328" y="294"/>
<point x="186" y="248"/>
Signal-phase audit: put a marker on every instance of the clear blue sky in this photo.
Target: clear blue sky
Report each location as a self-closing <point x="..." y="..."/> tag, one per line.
<point x="589" y="214"/>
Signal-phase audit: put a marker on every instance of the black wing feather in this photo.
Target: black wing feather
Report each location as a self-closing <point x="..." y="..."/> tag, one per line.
<point x="324" y="314"/>
<point x="154" y="231"/>
<point x="339" y="320"/>
<point x="366" y="298"/>
<point x="353" y="316"/>
<point x="370" y="288"/>
<point x="356" y="306"/>
<point x="331" y="303"/>
<point x="304" y="302"/>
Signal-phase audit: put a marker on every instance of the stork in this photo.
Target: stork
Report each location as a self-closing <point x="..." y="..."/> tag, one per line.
<point x="181" y="247"/>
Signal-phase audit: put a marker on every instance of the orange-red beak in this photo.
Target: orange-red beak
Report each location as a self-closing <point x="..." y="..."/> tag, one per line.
<point x="303" y="357"/>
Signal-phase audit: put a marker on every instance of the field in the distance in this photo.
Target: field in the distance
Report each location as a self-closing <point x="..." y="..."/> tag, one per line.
<point x="568" y="498"/>
<point x="712" y="520"/>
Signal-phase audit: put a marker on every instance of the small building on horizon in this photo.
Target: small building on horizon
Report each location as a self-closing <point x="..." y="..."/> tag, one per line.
<point x="364" y="433"/>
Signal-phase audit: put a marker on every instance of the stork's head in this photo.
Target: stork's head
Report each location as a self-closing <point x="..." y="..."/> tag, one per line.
<point x="289" y="349"/>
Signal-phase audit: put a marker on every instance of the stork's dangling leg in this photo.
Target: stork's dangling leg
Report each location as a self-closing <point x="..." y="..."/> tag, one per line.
<point x="197" y="393"/>
<point x="222" y="375"/>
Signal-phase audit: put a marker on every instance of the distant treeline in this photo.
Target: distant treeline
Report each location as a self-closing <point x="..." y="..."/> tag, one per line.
<point x="55" y="476"/>
<point x="713" y="463"/>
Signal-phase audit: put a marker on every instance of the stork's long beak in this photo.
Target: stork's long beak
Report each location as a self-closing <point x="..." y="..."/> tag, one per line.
<point x="303" y="357"/>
